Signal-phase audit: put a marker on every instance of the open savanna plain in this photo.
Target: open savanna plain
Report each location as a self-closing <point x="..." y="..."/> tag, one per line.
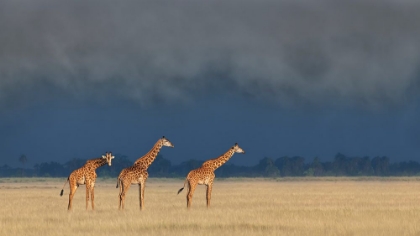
<point x="297" y="206"/>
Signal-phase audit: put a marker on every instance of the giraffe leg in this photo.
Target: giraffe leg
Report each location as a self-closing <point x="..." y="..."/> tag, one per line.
<point x="73" y="189"/>
<point x="87" y="195"/>
<point x="124" y="191"/>
<point x="92" y="195"/>
<point x="142" y="187"/>
<point x="191" y="189"/>
<point x="140" y="203"/>
<point x="122" y="196"/>
<point x="208" y="195"/>
<point x="119" y="195"/>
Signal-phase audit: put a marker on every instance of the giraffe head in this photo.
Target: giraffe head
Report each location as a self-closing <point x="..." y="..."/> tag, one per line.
<point x="166" y="142"/>
<point x="108" y="156"/>
<point x="237" y="149"/>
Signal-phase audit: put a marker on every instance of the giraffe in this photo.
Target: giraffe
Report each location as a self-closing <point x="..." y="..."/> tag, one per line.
<point x="147" y="159"/>
<point x="205" y="174"/>
<point x="137" y="174"/>
<point x="86" y="175"/>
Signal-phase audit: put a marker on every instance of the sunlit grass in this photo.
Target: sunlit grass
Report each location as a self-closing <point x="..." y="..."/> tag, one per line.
<point x="239" y="207"/>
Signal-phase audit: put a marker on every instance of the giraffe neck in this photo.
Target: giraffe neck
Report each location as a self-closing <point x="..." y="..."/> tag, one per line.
<point x="95" y="163"/>
<point x="219" y="161"/>
<point x="146" y="160"/>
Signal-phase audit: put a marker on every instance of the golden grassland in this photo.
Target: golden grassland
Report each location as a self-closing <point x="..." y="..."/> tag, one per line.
<point x="293" y="206"/>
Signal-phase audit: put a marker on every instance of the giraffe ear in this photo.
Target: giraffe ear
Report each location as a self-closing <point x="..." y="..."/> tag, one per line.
<point x="112" y="157"/>
<point x="104" y="157"/>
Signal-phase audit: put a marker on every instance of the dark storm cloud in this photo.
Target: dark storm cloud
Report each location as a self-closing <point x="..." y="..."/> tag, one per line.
<point x="291" y="52"/>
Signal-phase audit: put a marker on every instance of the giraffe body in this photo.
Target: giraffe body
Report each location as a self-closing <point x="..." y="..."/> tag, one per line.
<point x="137" y="174"/>
<point x="205" y="174"/>
<point x="86" y="175"/>
<point x="201" y="176"/>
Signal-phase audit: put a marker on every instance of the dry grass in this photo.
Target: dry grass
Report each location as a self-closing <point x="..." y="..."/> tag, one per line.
<point x="239" y="207"/>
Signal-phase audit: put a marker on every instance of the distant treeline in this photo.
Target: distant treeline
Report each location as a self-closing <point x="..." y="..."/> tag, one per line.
<point x="267" y="167"/>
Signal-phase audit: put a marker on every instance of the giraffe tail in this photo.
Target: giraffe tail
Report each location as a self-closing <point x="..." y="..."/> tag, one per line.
<point x="180" y="190"/>
<point x="62" y="190"/>
<point x="118" y="180"/>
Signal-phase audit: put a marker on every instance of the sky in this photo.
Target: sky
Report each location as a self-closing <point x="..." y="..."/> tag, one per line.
<point x="280" y="78"/>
